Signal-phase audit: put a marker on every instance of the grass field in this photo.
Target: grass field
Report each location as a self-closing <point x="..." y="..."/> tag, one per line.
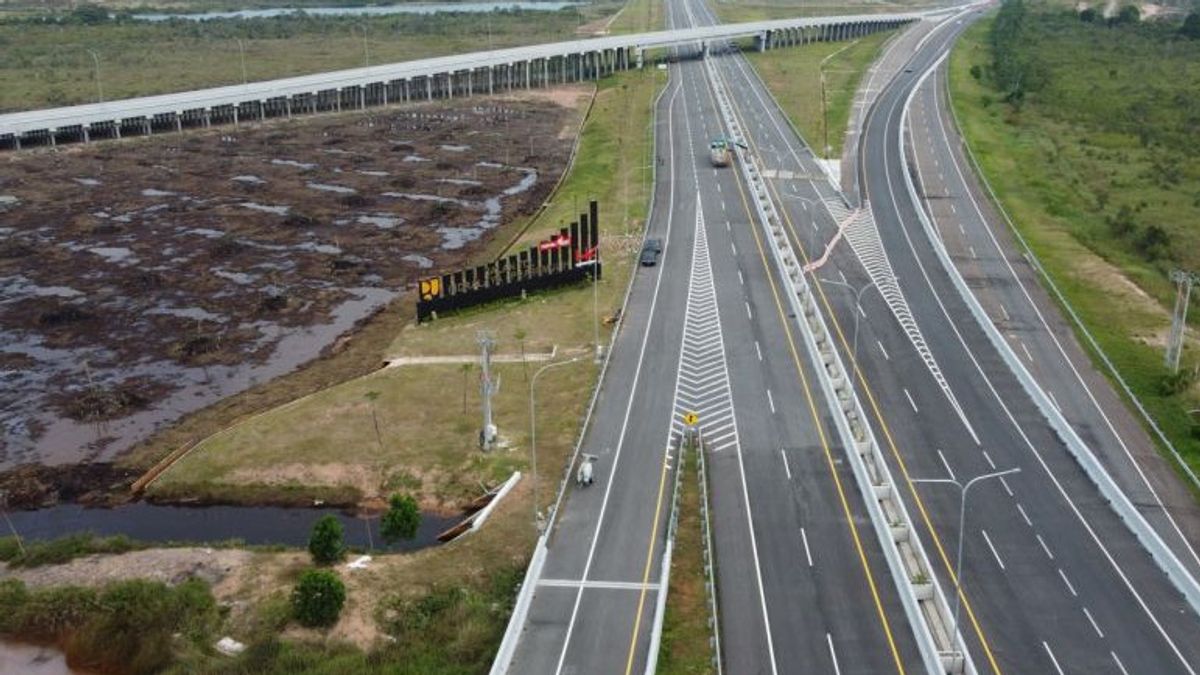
<point x="794" y="75"/>
<point x="47" y="65"/>
<point x="734" y="11"/>
<point x="1089" y="163"/>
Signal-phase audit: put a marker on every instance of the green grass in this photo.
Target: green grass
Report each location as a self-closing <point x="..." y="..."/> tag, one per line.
<point x="686" y="638"/>
<point x="735" y="11"/>
<point x="47" y="65"/>
<point x="1109" y="128"/>
<point x="640" y="16"/>
<point x="794" y="75"/>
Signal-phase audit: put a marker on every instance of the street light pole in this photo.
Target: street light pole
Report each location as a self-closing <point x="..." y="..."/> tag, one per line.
<point x="99" y="87"/>
<point x="366" y="50"/>
<point x="242" y="53"/>
<point x="962" y="519"/>
<point x="858" y="293"/>
<point x="533" y="433"/>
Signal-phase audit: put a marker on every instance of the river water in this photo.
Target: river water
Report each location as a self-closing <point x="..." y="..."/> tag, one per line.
<point x="199" y="524"/>
<point x="371" y="10"/>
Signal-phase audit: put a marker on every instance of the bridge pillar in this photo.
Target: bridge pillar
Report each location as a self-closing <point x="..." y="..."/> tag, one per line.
<point x="640" y="56"/>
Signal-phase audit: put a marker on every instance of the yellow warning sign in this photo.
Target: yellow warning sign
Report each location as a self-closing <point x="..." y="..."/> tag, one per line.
<point x="431" y="288"/>
<point x="691" y="419"/>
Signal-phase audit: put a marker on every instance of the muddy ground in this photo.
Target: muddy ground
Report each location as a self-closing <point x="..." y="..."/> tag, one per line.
<point x="146" y="279"/>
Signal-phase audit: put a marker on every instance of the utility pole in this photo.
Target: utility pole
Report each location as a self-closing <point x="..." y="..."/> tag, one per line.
<point x="487" y="387"/>
<point x="99" y="86"/>
<point x="1183" y="281"/>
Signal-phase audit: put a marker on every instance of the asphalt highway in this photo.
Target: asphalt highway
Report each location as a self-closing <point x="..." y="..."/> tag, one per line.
<point x="1053" y="581"/>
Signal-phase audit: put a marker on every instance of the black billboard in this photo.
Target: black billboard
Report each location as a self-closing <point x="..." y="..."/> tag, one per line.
<point x="568" y="256"/>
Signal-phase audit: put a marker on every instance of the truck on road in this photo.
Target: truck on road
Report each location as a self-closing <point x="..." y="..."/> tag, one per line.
<point x="719" y="152"/>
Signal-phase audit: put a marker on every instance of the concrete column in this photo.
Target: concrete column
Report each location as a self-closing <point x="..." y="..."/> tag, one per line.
<point x="178" y="123"/>
<point x="641" y="57"/>
<point x="84" y="129"/>
<point x="471" y="82"/>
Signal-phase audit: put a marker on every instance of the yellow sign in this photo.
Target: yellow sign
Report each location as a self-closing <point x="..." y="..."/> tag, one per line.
<point x="431" y="288"/>
<point x="691" y="419"/>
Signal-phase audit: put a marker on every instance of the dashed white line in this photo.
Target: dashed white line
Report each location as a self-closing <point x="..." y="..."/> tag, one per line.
<point x="1052" y="659"/>
<point x="883" y="351"/>
<point x="1026" y="350"/>
<point x="989" y="459"/>
<point x="946" y="464"/>
<point x="733" y="246"/>
<point x="974" y="255"/>
<point x="1053" y="401"/>
<point x="786" y="469"/>
<point x="1024" y="515"/>
<point x="758" y="349"/>
<point x="1045" y="547"/>
<point x="994" y="552"/>
<point x="861" y="312"/>
<point x="952" y="208"/>
<point x="807" y="552"/>
<point x="727" y="228"/>
<point x="843" y="276"/>
<point x="962" y="230"/>
<point x="1004" y="312"/>
<point x="910" y="400"/>
<point x="1118" y="662"/>
<point x="741" y="279"/>
<point x="1067" y="582"/>
<point x="1095" y="626"/>
<point x="771" y="401"/>
<point x="1007" y="489"/>
<point x="833" y="655"/>
<point x="748" y="312"/>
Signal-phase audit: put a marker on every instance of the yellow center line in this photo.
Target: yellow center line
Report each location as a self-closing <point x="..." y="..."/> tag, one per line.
<point x="887" y="432"/>
<point x="858" y="546"/>
<point x="637" y="622"/>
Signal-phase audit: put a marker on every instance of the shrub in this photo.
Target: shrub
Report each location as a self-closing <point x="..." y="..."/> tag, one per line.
<point x="318" y="598"/>
<point x="401" y="520"/>
<point x="1191" y="26"/>
<point x="326" y="544"/>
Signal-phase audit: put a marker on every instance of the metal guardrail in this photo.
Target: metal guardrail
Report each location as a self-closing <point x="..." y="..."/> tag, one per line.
<point x="710" y="563"/>
<point x="660" y="606"/>
<point x="917" y="587"/>
<point x="1163" y="556"/>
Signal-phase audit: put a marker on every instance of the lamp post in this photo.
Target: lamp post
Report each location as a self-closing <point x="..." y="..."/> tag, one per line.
<point x="858" y="293"/>
<point x="533" y="432"/>
<point x="366" y="49"/>
<point x="99" y="87"/>
<point x="962" y="518"/>
<point x="242" y="53"/>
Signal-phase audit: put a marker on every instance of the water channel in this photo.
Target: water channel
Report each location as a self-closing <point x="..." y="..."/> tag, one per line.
<point x="368" y="10"/>
<point x="253" y="525"/>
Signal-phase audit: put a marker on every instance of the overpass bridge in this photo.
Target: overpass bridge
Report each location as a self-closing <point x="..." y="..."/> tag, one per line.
<point x="425" y="79"/>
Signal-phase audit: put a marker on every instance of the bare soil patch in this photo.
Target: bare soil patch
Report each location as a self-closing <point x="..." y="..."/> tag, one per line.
<point x="147" y="279"/>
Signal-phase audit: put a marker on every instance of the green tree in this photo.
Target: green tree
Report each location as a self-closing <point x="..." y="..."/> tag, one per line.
<point x="1089" y="15"/>
<point x="401" y="520"/>
<point x="89" y="14"/>
<point x="1191" y="26"/>
<point x="326" y="544"/>
<point x="1128" y="14"/>
<point x="317" y="598"/>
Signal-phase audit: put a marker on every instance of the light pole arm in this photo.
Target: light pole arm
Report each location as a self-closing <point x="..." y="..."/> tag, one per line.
<point x="533" y="430"/>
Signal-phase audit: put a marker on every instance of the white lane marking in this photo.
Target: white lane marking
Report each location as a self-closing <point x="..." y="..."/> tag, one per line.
<point x="741" y="279"/>
<point x="861" y="312"/>
<point x="1004" y="312"/>
<point x="718" y="187"/>
<point x="833" y="655"/>
<point x="1067" y="582"/>
<point x="946" y="464"/>
<point x="1007" y="489"/>
<point x="807" y="551"/>
<point x="952" y="208"/>
<point x="994" y="551"/>
<point x="1052" y="659"/>
<point x="1095" y="626"/>
<point x="883" y="351"/>
<point x="843" y="276"/>
<point x="748" y="312"/>
<point x="1119" y="664"/>
<point x="1024" y="515"/>
<point x="910" y="400"/>
<point x="1058" y="344"/>
<point x="1026" y="350"/>
<point x="637" y="372"/>
<point x="734" y="247"/>
<point x="1045" y="547"/>
<point x="722" y="204"/>
<point x="727" y="228"/>
<point x="1053" y="401"/>
<point x="961" y="229"/>
<point x="786" y="469"/>
<point x="771" y="401"/>
<point x="989" y="460"/>
<point x="758" y="349"/>
<point x="974" y="255"/>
